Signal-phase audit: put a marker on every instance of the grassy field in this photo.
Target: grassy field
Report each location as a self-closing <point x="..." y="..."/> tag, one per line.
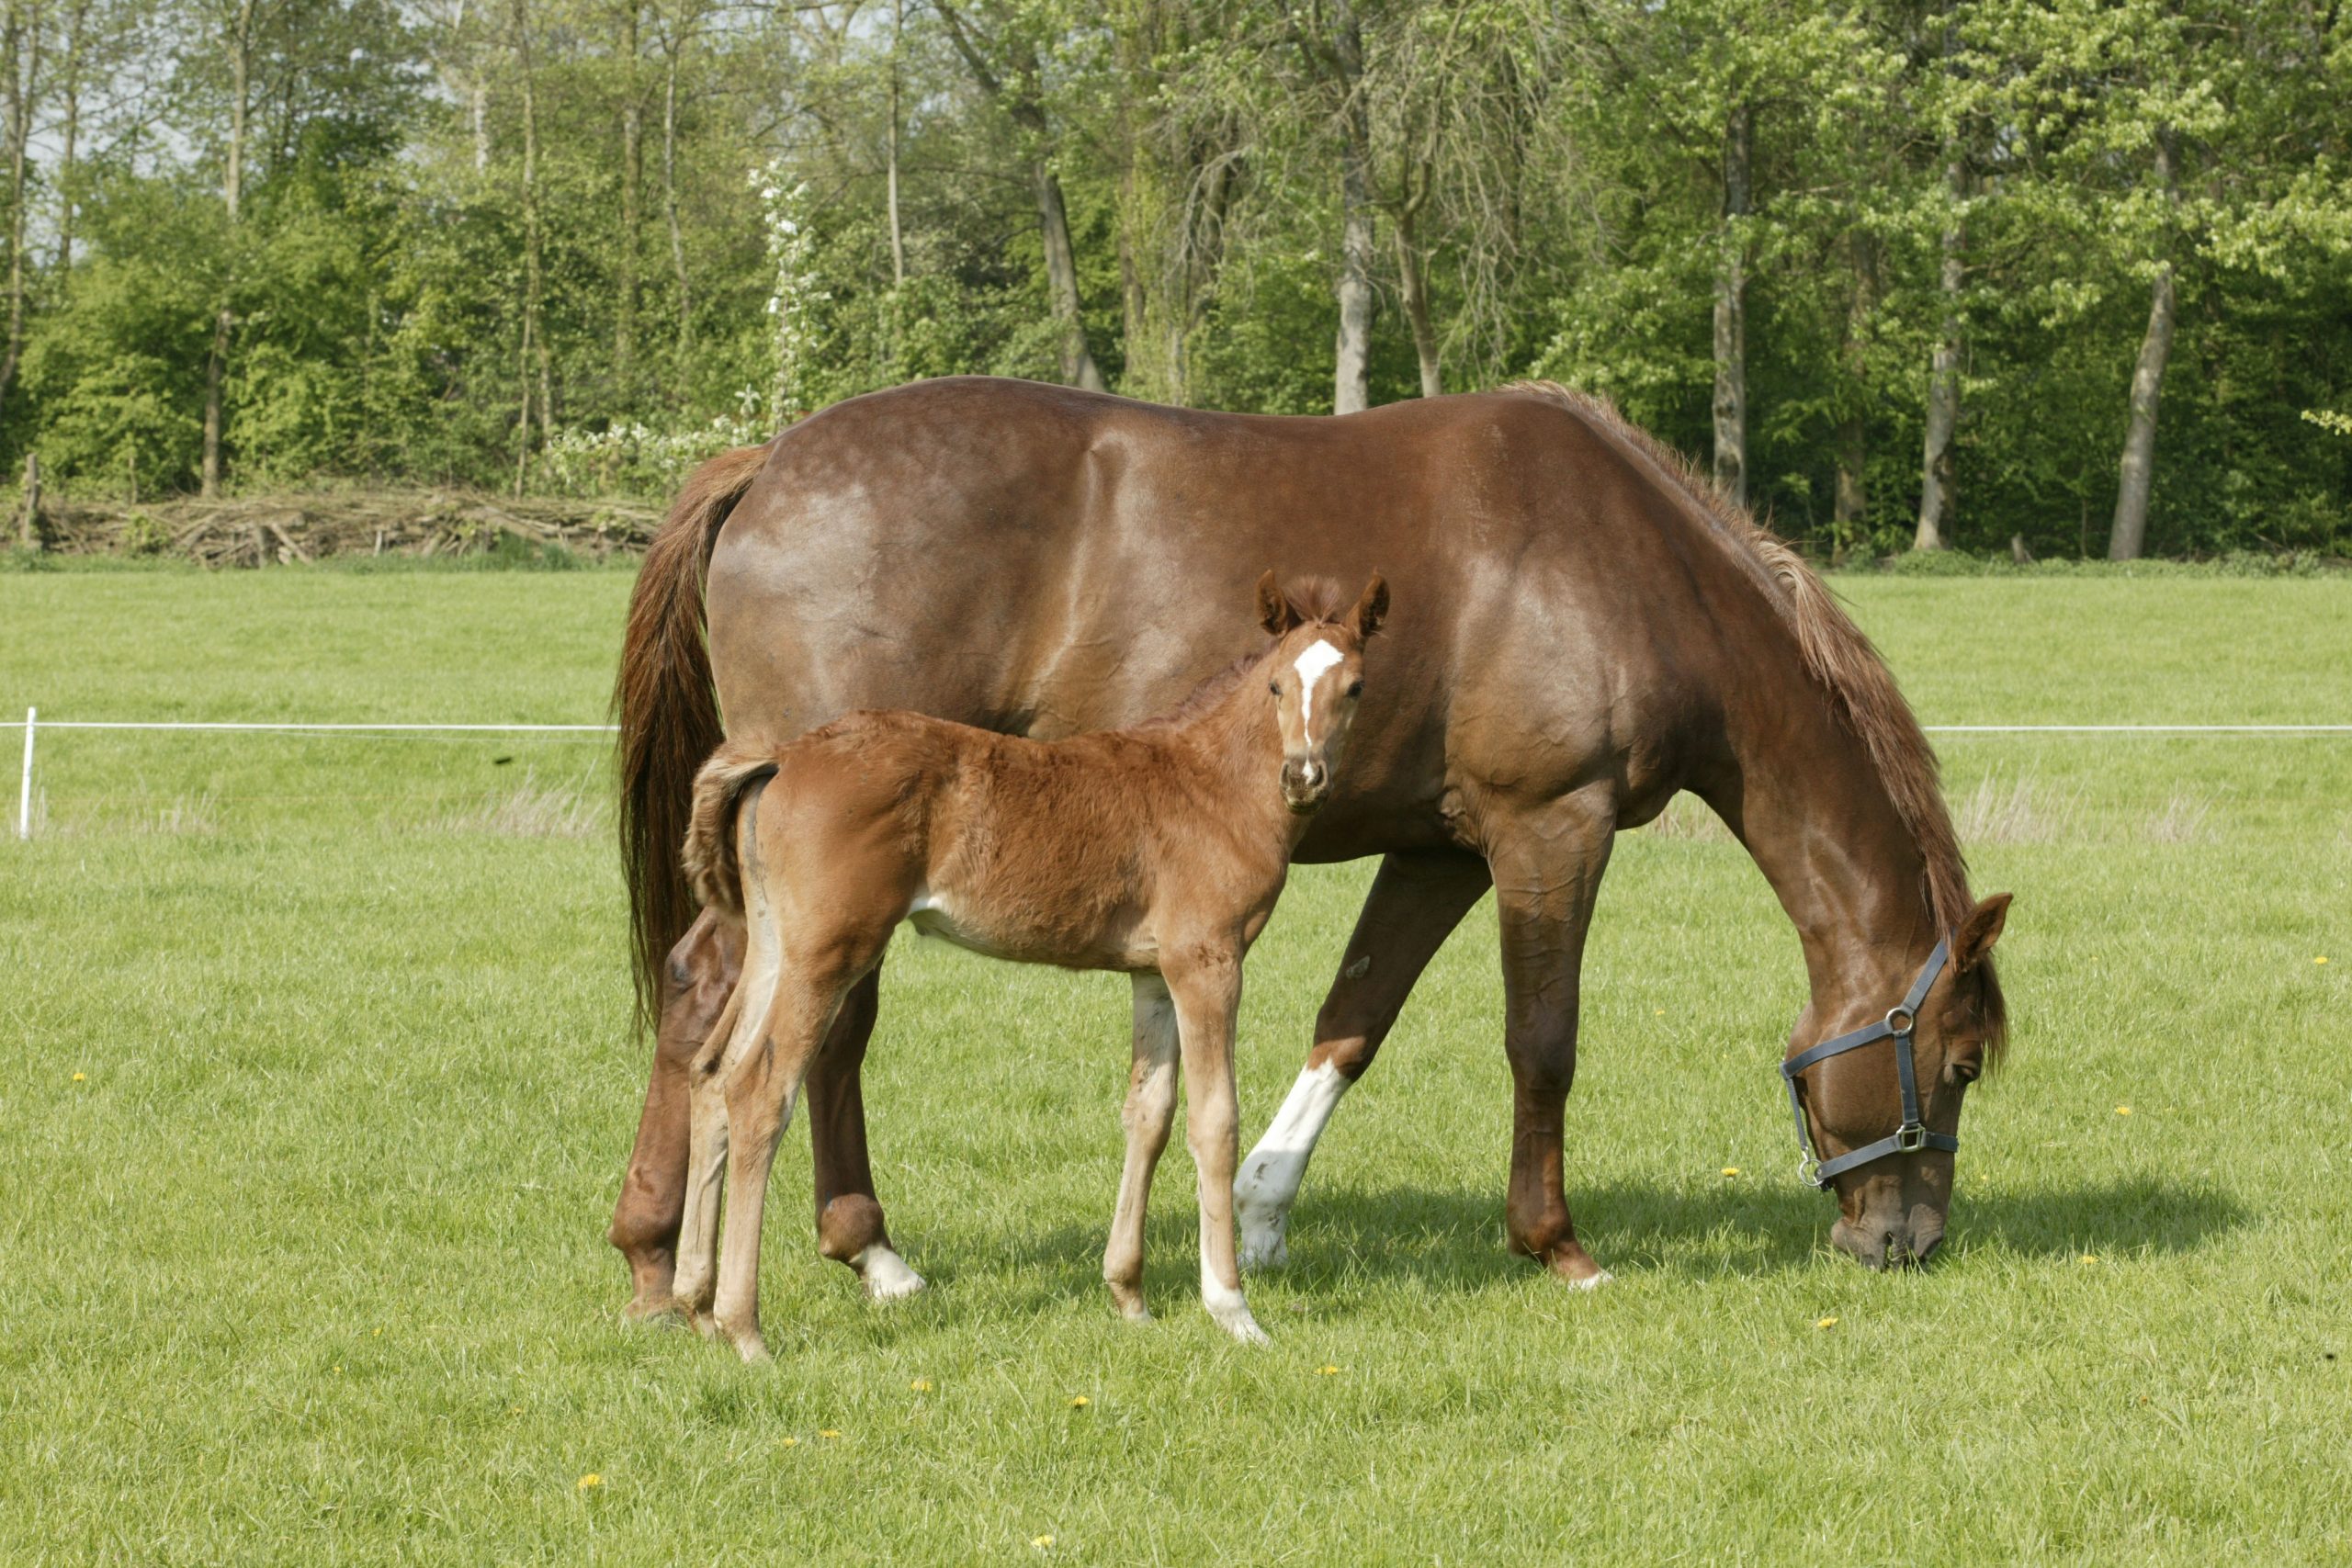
<point x="314" y="1090"/>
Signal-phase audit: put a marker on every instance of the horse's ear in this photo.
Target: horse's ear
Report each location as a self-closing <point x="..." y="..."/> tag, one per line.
<point x="1372" y="609"/>
<point x="1274" y="612"/>
<point x="1979" y="932"/>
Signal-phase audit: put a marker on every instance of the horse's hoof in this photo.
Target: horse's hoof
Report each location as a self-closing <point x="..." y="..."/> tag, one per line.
<point x="1263" y="1246"/>
<point x="657" y="1311"/>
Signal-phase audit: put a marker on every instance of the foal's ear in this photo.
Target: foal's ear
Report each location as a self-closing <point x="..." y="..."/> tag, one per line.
<point x="1979" y="932"/>
<point x="1372" y="609"/>
<point x="1275" y="611"/>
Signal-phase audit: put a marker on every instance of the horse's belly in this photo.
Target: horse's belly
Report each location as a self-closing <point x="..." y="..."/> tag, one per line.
<point x="934" y="916"/>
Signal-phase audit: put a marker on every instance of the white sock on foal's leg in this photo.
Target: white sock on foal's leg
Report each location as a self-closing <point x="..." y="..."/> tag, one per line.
<point x="1268" y="1182"/>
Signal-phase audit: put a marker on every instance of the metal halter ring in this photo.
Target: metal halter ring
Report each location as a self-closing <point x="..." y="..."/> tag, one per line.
<point x="1910" y="1020"/>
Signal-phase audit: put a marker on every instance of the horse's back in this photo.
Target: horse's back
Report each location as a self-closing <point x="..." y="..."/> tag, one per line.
<point x="1040" y="560"/>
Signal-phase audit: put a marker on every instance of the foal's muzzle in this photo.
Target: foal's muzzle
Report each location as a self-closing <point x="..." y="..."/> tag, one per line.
<point x="1306" y="782"/>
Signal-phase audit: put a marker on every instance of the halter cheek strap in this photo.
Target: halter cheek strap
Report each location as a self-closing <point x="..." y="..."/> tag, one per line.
<point x="1897" y="1025"/>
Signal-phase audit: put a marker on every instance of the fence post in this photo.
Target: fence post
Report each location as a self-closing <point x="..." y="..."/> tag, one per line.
<point x="24" y="791"/>
<point x="29" y="524"/>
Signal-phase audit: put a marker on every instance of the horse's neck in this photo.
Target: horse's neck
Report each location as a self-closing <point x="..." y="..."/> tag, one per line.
<point x="1820" y="824"/>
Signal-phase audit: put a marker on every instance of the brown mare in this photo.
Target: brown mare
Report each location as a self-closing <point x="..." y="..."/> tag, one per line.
<point x="1589" y="630"/>
<point x="1158" y="852"/>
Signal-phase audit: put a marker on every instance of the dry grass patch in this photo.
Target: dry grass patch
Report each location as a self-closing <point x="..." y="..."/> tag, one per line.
<point x="2184" y="819"/>
<point x="533" y="810"/>
<point x="2017" y="810"/>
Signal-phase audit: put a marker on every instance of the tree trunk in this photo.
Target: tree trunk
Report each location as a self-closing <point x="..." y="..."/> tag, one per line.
<point x="478" y="108"/>
<point x="69" y="135"/>
<point x="1351" y="388"/>
<point x="1852" y="502"/>
<point x="534" y="346"/>
<point x="1731" y="311"/>
<point x="1943" y="382"/>
<point x="674" y="44"/>
<point x="216" y="365"/>
<point x="1061" y="281"/>
<point x="1413" y="285"/>
<point x="22" y="52"/>
<point x="898" y="237"/>
<point x="632" y="200"/>
<point x="2129" y="532"/>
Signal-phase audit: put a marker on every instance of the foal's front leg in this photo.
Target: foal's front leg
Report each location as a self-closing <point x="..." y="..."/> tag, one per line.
<point x="1207" y="992"/>
<point x="1151" y="1113"/>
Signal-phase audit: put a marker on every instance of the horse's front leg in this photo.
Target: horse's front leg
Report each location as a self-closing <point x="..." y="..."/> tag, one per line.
<point x="1151" y="1113"/>
<point x="1547" y="863"/>
<point x="1415" y="903"/>
<point x="1207" y="988"/>
<point x="698" y="978"/>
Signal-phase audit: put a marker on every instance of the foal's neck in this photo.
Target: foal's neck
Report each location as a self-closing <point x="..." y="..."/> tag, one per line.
<point x="1238" y="740"/>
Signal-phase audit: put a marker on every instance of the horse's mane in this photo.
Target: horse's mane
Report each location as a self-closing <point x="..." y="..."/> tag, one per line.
<point x="1841" y="659"/>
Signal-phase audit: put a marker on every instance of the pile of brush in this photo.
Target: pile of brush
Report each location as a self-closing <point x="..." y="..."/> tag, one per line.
<point x="275" y="530"/>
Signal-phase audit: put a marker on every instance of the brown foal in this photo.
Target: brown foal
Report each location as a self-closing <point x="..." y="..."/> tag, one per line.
<point x="1157" y="851"/>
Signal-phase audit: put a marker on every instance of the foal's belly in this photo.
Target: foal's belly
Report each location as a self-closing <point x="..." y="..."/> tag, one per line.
<point x="1126" y="946"/>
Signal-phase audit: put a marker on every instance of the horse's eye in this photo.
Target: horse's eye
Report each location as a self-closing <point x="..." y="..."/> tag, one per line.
<point x="1962" y="1072"/>
<point x="1276" y="687"/>
<point x="1355" y="688"/>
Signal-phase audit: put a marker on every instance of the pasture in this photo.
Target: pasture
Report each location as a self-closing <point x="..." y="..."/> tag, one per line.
<point x="315" y="1087"/>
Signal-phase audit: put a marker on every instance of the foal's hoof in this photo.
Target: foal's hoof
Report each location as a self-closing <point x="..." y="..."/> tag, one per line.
<point x="885" y="1275"/>
<point x="1241" y="1326"/>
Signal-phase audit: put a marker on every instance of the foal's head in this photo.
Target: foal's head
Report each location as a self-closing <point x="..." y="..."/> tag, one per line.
<point x="1314" y="671"/>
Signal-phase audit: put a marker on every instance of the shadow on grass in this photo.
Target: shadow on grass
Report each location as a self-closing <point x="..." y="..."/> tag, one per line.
<point x="1344" y="1240"/>
<point x="1745" y="1229"/>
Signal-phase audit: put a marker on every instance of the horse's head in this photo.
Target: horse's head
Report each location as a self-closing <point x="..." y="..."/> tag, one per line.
<point x="1314" y="672"/>
<point x="1894" y="1181"/>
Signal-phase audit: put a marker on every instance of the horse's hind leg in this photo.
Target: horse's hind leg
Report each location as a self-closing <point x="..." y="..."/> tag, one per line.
<point x="1547" y="866"/>
<point x="1416" y="902"/>
<point x="696" y="981"/>
<point x="1151" y="1113"/>
<point x="849" y="1217"/>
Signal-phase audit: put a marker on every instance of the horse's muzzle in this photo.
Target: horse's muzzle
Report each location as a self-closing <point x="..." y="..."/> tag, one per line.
<point x="1882" y="1245"/>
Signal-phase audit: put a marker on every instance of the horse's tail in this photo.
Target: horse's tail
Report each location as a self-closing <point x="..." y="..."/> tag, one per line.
<point x="669" y="712"/>
<point x="710" y="853"/>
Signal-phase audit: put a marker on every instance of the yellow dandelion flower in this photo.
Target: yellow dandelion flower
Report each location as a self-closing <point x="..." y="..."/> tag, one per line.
<point x="2123" y="1110"/>
<point x="84" y="1078"/>
<point x="338" y="1366"/>
<point x="1827" y="1323"/>
<point x="791" y="1442"/>
<point x="590" y="1481"/>
<point x="2322" y="958"/>
<point x="1042" y="1542"/>
<point x="1079" y="1402"/>
<point x="1731" y="1170"/>
<point x="2090" y="1256"/>
<point x="920" y="1385"/>
<point x="1326" y="1371"/>
<point x="828" y="1432"/>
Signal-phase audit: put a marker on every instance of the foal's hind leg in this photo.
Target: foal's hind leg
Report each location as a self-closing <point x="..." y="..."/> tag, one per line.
<point x="760" y="1092"/>
<point x="849" y="1217"/>
<point x="1151" y="1113"/>
<point x="1416" y="902"/>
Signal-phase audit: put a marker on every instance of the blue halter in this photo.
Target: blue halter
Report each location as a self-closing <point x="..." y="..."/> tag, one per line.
<point x="1910" y="1138"/>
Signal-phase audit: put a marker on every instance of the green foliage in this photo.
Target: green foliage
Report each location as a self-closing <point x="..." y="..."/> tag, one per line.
<point x="1555" y="173"/>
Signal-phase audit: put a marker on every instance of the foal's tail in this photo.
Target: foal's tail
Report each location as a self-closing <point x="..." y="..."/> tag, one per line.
<point x="668" y="711"/>
<point x="710" y="857"/>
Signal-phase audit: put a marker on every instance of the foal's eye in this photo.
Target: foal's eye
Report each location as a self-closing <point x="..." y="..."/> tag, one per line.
<point x="1276" y="687"/>
<point x="1355" y="688"/>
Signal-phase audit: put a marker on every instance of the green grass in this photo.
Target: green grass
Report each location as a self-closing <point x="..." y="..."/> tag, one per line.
<point x="308" y="1266"/>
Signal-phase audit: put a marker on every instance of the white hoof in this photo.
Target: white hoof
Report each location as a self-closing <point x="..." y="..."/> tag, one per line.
<point x="885" y="1275"/>
<point x="1591" y="1282"/>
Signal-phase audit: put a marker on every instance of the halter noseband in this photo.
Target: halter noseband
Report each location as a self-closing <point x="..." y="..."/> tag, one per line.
<point x="1909" y="1138"/>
